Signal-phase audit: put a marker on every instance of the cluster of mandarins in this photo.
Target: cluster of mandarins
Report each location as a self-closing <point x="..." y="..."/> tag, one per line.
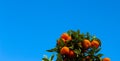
<point x="73" y="46"/>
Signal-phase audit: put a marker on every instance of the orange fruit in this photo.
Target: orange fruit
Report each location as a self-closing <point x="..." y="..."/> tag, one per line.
<point x="71" y="53"/>
<point x="86" y="43"/>
<point x="66" y="37"/>
<point x="69" y="38"/>
<point x="95" y="44"/>
<point x="64" y="50"/>
<point x="106" y="59"/>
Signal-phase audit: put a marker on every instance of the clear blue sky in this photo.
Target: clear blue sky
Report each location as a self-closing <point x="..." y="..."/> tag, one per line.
<point x="29" y="27"/>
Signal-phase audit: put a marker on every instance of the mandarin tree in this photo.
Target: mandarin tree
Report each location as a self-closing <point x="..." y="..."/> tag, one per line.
<point x="76" y="46"/>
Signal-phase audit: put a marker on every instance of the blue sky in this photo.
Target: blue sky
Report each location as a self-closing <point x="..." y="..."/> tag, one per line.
<point x="29" y="27"/>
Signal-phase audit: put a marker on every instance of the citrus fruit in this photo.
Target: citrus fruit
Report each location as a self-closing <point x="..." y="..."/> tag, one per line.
<point x="64" y="50"/>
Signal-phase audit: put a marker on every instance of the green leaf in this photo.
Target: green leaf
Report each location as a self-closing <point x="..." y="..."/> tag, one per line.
<point x="52" y="50"/>
<point x="69" y="32"/>
<point x="94" y="37"/>
<point x="61" y="43"/>
<point x="45" y="59"/>
<point x="80" y="45"/>
<point x="92" y="51"/>
<point x="82" y="36"/>
<point x="88" y="36"/>
<point x="71" y="47"/>
<point x="59" y="58"/>
<point x="97" y="50"/>
<point x="100" y="59"/>
<point x="78" y="31"/>
<point x="99" y="55"/>
<point x="51" y="58"/>
<point x="77" y="51"/>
